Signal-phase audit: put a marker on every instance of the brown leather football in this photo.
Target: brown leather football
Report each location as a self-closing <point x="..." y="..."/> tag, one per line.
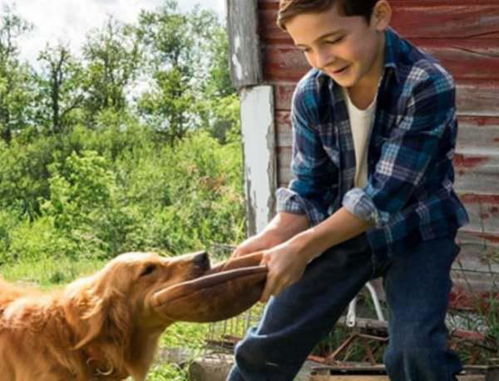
<point x="225" y="291"/>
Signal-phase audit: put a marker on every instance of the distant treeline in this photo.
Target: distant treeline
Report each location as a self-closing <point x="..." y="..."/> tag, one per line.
<point x="133" y="145"/>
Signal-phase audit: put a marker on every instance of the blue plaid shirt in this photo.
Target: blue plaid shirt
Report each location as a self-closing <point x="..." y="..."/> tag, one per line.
<point x="409" y="196"/>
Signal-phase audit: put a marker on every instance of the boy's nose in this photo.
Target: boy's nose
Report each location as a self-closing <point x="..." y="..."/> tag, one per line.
<point x="323" y="59"/>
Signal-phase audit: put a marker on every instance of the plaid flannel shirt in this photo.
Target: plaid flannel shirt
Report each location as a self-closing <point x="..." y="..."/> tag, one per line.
<point x="409" y="196"/>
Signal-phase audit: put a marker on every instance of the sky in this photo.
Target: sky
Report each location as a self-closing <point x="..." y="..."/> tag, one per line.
<point x="68" y="21"/>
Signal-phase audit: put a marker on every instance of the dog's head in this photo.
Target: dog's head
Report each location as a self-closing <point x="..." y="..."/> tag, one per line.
<point x="223" y="292"/>
<point x="144" y="291"/>
<point x="117" y="300"/>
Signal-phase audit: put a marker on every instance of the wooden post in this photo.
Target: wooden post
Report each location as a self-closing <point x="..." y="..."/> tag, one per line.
<point x="245" y="61"/>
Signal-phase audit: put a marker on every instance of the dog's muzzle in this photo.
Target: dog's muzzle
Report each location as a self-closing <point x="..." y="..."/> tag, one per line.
<point x="223" y="292"/>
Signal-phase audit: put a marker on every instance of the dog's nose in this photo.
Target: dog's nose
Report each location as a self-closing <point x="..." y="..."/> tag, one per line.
<point x="202" y="260"/>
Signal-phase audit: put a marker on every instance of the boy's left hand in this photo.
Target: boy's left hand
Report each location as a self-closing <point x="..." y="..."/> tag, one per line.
<point x="286" y="265"/>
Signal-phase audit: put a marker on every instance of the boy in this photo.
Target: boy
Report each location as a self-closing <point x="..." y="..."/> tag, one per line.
<point x="374" y="127"/>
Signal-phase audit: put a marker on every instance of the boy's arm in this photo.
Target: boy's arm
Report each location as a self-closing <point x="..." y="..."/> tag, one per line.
<point x="414" y="143"/>
<point x="282" y="227"/>
<point x="313" y="189"/>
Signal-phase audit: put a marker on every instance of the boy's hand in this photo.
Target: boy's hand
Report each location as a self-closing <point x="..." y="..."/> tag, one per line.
<point x="286" y="265"/>
<point x="250" y="245"/>
<point x="258" y="242"/>
<point x="282" y="227"/>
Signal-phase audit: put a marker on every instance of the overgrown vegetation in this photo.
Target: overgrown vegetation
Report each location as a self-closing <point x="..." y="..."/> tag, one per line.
<point x="132" y="145"/>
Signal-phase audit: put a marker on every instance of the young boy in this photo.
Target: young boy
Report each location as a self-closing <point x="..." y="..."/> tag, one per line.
<point x="374" y="126"/>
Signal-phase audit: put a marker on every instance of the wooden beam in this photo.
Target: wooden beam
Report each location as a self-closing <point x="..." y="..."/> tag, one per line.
<point x="245" y="62"/>
<point x="258" y="133"/>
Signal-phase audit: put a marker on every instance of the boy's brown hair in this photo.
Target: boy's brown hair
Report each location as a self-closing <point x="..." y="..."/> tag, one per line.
<point x="291" y="8"/>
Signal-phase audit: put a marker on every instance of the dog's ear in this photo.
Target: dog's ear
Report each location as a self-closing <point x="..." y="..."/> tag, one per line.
<point x="96" y="310"/>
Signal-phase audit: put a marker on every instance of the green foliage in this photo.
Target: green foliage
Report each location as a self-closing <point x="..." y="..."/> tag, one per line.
<point x="188" y="58"/>
<point x="170" y="372"/>
<point x="193" y="200"/>
<point x="133" y="146"/>
<point x="97" y="193"/>
<point x="113" y="56"/>
<point x="15" y="80"/>
<point x="23" y="174"/>
<point x="60" y="93"/>
<point x="169" y="69"/>
<point x="221" y="118"/>
<point x="168" y="106"/>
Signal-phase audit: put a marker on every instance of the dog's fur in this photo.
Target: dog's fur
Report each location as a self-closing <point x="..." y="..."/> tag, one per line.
<point x="97" y="328"/>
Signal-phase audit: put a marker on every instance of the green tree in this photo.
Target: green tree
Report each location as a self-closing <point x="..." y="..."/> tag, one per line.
<point x="219" y="108"/>
<point x="176" y="45"/>
<point x="59" y="87"/>
<point x="15" y="83"/>
<point x="113" y="56"/>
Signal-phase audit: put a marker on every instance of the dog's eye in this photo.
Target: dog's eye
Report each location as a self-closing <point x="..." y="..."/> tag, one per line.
<point x="149" y="269"/>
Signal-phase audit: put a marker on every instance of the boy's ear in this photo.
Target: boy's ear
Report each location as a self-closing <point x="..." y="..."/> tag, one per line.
<point x="382" y="15"/>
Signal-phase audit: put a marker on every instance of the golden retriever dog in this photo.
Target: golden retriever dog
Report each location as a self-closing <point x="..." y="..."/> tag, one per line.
<point x="97" y="328"/>
<point x="107" y="326"/>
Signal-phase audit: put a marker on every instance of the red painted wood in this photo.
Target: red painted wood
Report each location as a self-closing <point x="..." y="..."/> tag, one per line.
<point x="431" y="22"/>
<point x="273" y="4"/>
<point x="472" y="59"/>
<point x="474" y="98"/>
<point x="475" y="133"/>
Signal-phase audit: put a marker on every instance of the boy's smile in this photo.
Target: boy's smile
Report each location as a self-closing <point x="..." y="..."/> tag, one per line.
<point x="346" y="48"/>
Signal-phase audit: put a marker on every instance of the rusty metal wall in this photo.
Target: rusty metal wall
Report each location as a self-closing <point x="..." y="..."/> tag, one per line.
<point x="464" y="36"/>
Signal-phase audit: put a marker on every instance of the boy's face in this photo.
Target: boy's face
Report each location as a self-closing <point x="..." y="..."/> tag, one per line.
<point x="346" y="48"/>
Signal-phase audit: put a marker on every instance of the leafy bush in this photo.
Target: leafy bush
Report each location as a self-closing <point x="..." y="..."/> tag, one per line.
<point x="98" y="193"/>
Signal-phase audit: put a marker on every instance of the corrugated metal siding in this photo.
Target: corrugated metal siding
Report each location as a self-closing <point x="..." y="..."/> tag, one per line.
<point x="464" y="36"/>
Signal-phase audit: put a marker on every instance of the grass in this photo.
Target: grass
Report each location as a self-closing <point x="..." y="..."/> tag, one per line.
<point x="49" y="272"/>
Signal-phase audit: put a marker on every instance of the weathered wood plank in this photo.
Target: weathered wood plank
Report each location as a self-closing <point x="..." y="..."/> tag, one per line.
<point x="447" y="20"/>
<point x="483" y="210"/>
<point x="257" y="124"/>
<point x="430" y="21"/>
<point x="245" y="61"/>
<point x="479" y="251"/>
<point x="273" y="4"/>
<point x="469" y="59"/>
<point x="475" y="133"/>
<point x="476" y="171"/>
<point x="474" y="98"/>
<point x="480" y="133"/>
<point x="465" y="59"/>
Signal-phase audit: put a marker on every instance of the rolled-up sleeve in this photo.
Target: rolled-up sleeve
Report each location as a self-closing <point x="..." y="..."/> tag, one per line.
<point x="309" y="191"/>
<point x="408" y="150"/>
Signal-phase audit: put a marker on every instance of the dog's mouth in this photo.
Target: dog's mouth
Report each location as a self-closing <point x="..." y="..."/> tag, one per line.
<point x="222" y="292"/>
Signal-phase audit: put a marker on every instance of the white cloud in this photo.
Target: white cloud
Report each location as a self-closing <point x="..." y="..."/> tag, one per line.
<point x="69" y="21"/>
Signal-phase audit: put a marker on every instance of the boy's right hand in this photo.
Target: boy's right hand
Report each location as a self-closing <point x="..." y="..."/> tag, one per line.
<point x="282" y="227"/>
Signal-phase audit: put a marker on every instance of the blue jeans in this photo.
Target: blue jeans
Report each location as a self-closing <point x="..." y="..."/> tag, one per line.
<point x="417" y="286"/>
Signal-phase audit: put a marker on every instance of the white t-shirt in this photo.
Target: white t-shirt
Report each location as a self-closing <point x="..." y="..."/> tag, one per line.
<point x="361" y="124"/>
